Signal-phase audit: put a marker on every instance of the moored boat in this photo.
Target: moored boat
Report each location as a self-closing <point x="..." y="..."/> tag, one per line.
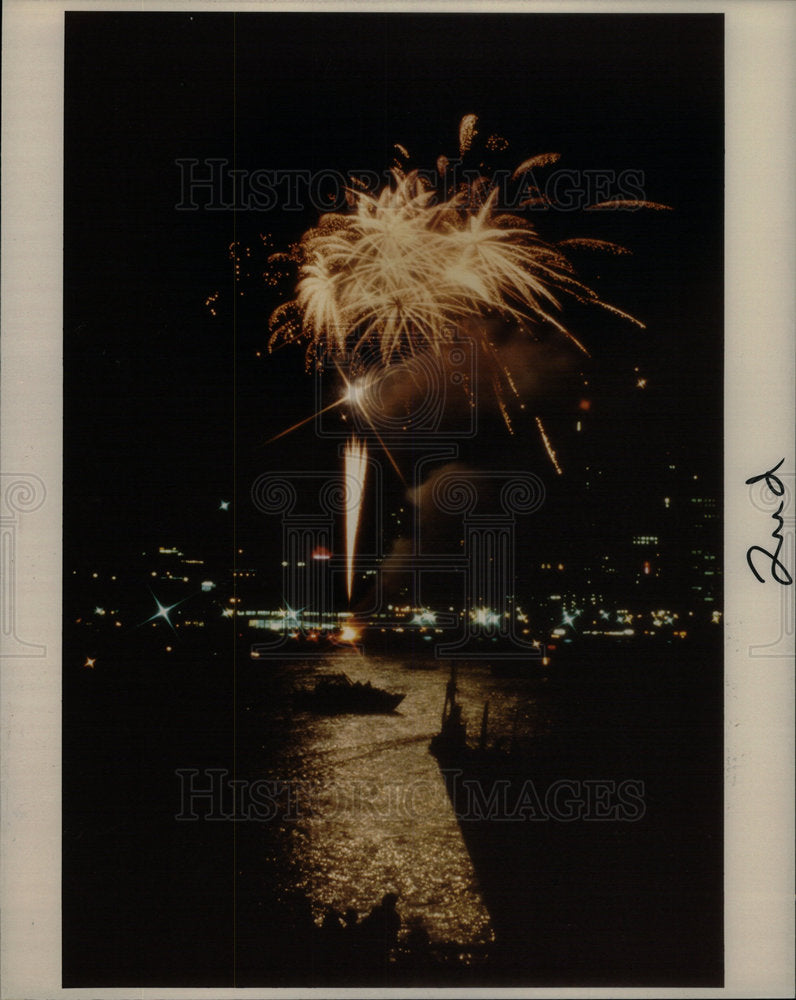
<point x="337" y="694"/>
<point x="594" y="843"/>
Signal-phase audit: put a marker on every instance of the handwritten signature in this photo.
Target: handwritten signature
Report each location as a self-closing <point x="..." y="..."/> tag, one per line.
<point x="779" y="571"/>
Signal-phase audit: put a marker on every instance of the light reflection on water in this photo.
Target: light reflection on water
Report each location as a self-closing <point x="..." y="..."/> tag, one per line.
<point x="380" y="819"/>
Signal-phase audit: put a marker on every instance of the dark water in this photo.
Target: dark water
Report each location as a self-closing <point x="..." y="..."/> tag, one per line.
<point x="149" y="900"/>
<point x="381" y="819"/>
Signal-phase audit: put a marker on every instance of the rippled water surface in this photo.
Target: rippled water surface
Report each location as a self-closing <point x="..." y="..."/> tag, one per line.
<point x="380" y="819"/>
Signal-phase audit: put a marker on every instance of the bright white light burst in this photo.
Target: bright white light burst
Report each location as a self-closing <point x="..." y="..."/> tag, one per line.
<point x="485" y="616"/>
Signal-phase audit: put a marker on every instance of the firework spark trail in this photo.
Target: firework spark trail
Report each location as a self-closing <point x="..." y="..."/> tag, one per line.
<point x="355" y="395"/>
<point x="551" y="454"/>
<point x="306" y="420"/>
<point x="356" y="465"/>
<point x="467" y="132"/>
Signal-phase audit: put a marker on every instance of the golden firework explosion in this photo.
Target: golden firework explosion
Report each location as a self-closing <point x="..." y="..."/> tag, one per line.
<point x="406" y="269"/>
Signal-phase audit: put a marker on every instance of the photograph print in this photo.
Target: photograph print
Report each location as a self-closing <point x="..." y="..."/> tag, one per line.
<point x="392" y="531"/>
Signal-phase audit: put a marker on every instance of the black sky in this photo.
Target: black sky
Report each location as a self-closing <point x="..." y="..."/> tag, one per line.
<point x="167" y="408"/>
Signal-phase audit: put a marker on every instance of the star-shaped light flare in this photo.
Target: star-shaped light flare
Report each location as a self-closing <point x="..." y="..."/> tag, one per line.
<point x="292" y="616"/>
<point x="569" y="619"/>
<point x="164" y="612"/>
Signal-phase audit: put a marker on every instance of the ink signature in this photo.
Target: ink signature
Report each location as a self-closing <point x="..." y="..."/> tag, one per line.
<point x="779" y="571"/>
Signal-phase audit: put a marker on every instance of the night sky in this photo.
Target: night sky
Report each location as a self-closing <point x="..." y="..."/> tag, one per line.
<point x="167" y="408"/>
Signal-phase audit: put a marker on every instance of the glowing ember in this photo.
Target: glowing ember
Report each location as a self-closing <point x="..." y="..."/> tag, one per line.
<point x="349" y="634"/>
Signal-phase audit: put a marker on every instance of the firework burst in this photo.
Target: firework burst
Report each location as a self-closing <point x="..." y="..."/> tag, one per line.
<point x="407" y="268"/>
<point x="404" y="270"/>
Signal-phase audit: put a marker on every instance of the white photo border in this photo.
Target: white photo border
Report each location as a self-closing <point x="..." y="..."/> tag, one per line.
<point x="760" y="38"/>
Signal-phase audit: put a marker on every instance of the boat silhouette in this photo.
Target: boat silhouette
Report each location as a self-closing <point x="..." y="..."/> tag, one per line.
<point x="337" y="694"/>
<point x="596" y="844"/>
